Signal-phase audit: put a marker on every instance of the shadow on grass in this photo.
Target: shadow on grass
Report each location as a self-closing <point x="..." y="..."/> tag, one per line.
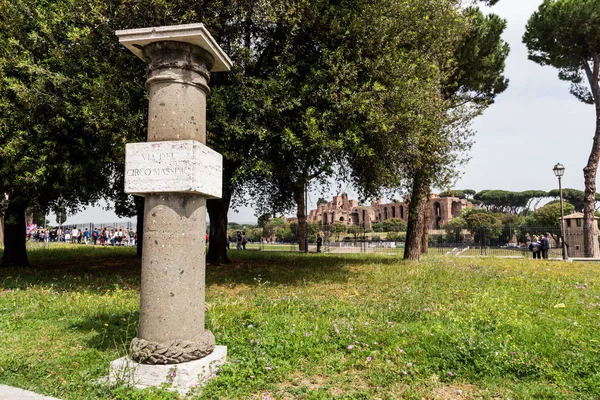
<point x="282" y="268"/>
<point x="76" y="269"/>
<point x="97" y="269"/>
<point x="111" y="331"/>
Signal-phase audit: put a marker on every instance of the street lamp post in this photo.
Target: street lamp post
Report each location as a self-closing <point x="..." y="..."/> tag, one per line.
<point x="559" y="171"/>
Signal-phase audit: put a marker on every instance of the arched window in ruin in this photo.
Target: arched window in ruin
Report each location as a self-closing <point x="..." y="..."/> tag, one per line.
<point x="379" y="218"/>
<point x="364" y="218"/>
<point x="437" y="214"/>
<point x="402" y="212"/>
<point x="385" y="214"/>
<point x="393" y="212"/>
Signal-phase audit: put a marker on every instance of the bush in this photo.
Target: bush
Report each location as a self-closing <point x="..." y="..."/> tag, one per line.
<point x="396" y="236"/>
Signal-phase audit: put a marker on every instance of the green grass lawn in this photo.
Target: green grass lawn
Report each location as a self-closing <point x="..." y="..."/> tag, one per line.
<point x="319" y="326"/>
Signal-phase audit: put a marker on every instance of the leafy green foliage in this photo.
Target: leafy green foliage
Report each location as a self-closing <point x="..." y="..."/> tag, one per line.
<point x="454" y="228"/>
<point x="478" y="221"/>
<point x="507" y="201"/>
<point x="574" y="196"/>
<point x="394" y="225"/>
<point x="549" y="215"/>
<point x="60" y="110"/>
<point x="562" y="33"/>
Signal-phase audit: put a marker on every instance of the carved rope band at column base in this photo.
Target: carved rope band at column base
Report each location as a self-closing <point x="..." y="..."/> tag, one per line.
<point x="175" y="352"/>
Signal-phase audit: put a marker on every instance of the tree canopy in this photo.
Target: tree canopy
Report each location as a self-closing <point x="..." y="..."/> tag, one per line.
<point x="59" y="111"/>
<point x="564" y="34"/>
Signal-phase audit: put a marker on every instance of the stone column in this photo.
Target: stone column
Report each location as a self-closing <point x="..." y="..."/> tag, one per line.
<point x="175" y="172"/>
<point x="173" y="255"/>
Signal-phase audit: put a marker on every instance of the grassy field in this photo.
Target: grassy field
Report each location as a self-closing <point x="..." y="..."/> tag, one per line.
<point x="319" y="326"/>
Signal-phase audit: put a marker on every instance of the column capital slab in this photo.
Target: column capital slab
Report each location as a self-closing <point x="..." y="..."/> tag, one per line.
<point x="196" y="34"/>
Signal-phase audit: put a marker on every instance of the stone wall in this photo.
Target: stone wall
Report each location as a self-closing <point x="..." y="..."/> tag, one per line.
<point x="344" y="211"/>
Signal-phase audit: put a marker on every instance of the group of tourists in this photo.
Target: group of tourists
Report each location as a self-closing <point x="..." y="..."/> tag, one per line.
<point x="539" y="246"/>
<point x="240" y="240"/>
<point x="102" y="236"/>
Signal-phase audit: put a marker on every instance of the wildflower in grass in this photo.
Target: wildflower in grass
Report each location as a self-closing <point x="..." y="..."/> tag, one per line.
<point x="267" y="396"/>
<point x="375" y="343"/>
<point x="268" y="368"/>
<point x="409" y="365"/>
<point x="401" y="351"/>
<point x="369" y="359"/>
<point x="251" y="341"/>
<point x="350" y="347"/>
<point x="405" y="373"/>
<point x="451" y="374"/>
<point x="307" y="334"/>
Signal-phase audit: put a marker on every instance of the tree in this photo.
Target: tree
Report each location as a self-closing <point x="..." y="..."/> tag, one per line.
<point x="316" y="85"/>
<point x="549" y="215"/>
<point x="506" y="201"/>
<point x="394" y="225"/>
<point x="59" y="111"/>
<point x="453" y="193"/>
<point x="483" y="225"/>
<point x="573" y="196"/>
<point x="263" y="220"/>
<point x="564" y="34"/>
<point x="454" y="229"/>
<point x="467" y="87"/>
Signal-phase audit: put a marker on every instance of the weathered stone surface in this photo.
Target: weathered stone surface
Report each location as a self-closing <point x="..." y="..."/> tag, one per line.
<point x="173" y="268"/>
<point x="196" y="34"/>
<point x="174" y="352"/>
<point x="186" y="166"/>
<point x="171" y="169"/>
<point x="182" y="376"/>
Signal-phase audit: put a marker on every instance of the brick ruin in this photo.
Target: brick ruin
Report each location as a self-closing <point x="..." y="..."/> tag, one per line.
<point x="348" y="212"/>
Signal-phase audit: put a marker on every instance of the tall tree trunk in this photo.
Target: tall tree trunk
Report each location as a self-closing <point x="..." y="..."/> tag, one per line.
<point x="416" y="209"/>
<point x="590" y="170"/>
<point x="301" y="214"/>
<point x="15" y="252"/>
<point x="589" y="200"/>
<point x="217" y="239"/>
<point x="426" y="222"/>
<point x="139" y="206"/>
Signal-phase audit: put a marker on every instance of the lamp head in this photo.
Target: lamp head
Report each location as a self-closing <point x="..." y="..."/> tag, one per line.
<point x="559" y="170"/>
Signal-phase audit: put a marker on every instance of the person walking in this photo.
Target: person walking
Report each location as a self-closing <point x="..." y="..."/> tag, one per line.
<point x="319" y="242"/>
<point x="86" y="236"/>
<point x="535" y="247"/>
<point x="545" y="245"/>
<point x="95" y="235"/>
<point x="238" y="240"/>
<point x="244" y="241"/>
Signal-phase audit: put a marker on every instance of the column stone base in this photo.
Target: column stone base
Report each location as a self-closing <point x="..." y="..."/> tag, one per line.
<point x="182" y="377"/>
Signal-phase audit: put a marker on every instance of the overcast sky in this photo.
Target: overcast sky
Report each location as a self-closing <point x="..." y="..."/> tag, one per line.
<point x="533" y="125"/>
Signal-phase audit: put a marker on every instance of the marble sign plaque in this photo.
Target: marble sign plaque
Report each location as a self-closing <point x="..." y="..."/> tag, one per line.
<point x="179" y="166"/>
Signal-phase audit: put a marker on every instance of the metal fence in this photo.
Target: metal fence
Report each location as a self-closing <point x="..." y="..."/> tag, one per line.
<point x="505" y="241"/>
<point x="498" y="241"/>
